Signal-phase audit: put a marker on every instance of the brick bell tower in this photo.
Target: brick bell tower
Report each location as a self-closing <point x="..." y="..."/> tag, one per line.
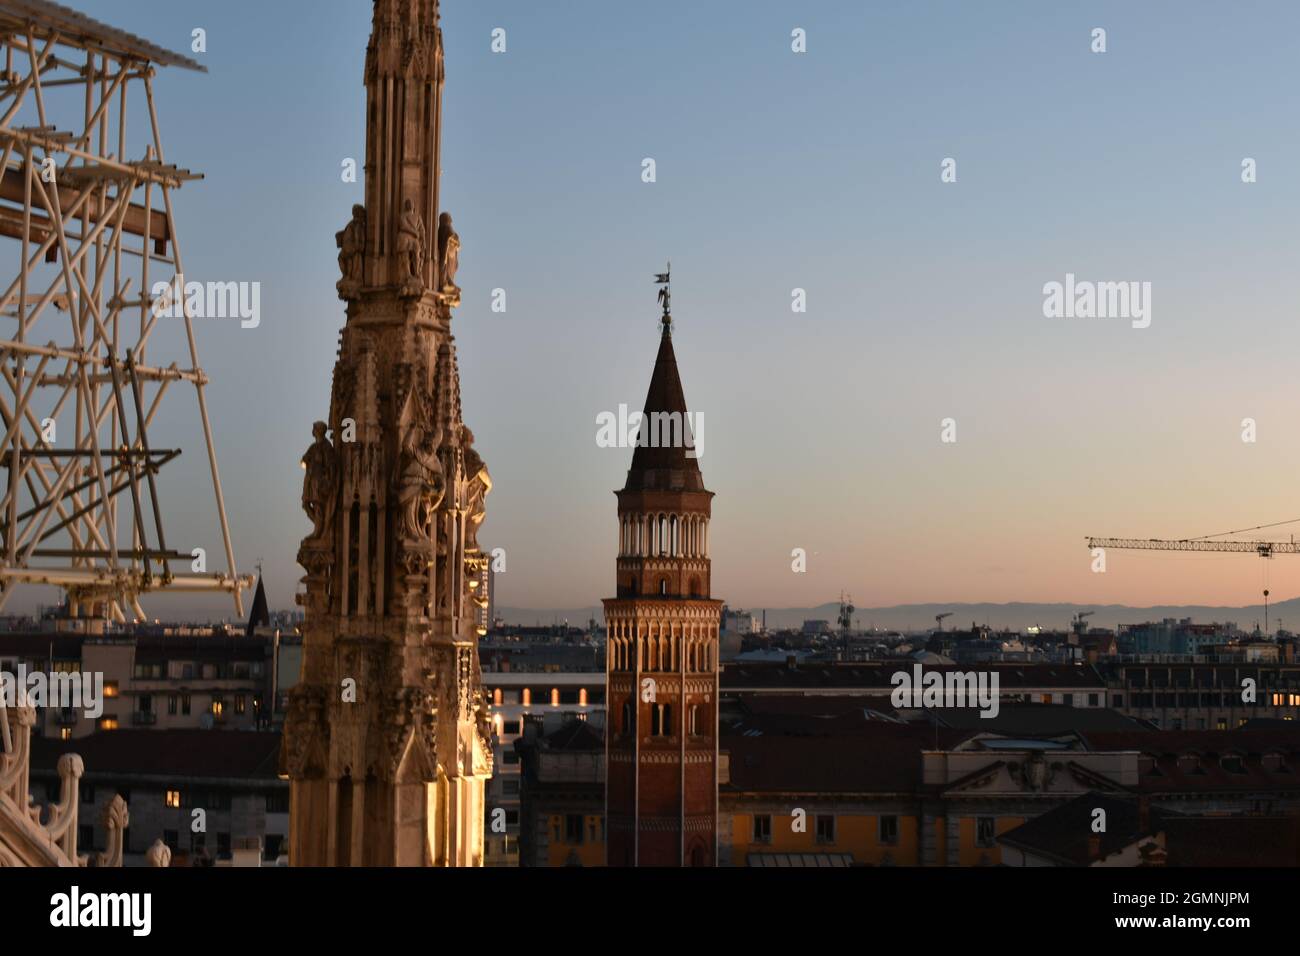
<point x="661" y="740"/>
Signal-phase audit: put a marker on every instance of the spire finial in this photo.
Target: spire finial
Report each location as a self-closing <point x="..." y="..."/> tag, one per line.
<point x="663" y="279"/>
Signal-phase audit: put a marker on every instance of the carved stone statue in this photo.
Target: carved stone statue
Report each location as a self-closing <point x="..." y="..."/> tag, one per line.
<point x="351" y="241"/>
<point x="480" y="483"/>
<point x="422" y="482"/>
<point x="448" y="252"/>
<point x="320" y="483"/>
<point x="410" y="244"/>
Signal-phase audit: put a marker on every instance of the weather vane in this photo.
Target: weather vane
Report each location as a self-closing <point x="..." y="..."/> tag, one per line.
<point x="665" y="296"/>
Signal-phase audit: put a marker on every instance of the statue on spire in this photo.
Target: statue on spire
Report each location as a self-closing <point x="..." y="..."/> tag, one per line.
<point x="410" y="247"/>
<point x="448" y="253"/>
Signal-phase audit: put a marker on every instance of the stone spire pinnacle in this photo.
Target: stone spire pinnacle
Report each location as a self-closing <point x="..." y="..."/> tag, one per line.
<point x="386" y="743"/>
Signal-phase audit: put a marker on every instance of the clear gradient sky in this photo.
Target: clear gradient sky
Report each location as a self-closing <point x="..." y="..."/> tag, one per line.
<point x="776" y="171"/>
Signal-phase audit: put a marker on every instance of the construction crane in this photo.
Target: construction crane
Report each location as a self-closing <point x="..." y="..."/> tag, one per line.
<point x="1079" y="619"/>
<point x="938" y="619"/>
<point x="1265" y="549"/>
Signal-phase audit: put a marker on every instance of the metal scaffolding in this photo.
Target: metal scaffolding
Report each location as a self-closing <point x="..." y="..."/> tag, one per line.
<point x="79" y="391"/>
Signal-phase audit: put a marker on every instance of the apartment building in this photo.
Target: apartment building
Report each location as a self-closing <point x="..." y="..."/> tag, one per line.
<point x="212" y="797"/>
<point x="549" y="684"/>
<point x="1177" y="692"/>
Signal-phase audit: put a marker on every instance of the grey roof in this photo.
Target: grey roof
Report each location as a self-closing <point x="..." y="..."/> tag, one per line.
<point x="46" y="19"/>
<point x="1036" y="720"/>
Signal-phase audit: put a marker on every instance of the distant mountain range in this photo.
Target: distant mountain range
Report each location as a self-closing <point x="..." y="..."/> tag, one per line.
<point x="1016" y="616"/>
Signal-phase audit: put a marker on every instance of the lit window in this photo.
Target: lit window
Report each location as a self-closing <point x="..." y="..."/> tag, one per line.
<point x="65" y="733"/>
<point x="110" y="688"/>
<point x="496" y="697"/>
<point x="173" y="798"/>
<point x="582" y="697"/>
<point x="527" y="697"/>
<point x="218" y="706"/>
<point x="555" y="697"/>
<point x="108" y="723"/>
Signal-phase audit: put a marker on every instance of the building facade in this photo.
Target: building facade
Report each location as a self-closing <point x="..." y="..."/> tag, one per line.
<point x="543" y="685"/>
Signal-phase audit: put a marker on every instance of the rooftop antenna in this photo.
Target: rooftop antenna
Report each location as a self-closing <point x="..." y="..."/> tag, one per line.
<point x="663" y="280"/>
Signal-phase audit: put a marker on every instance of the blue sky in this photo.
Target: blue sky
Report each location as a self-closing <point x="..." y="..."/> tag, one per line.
<point x="778" y="170"/>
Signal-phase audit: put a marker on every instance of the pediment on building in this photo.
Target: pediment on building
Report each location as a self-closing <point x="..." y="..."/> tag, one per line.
<point x="991" y="777"/>
<point x="1032" y="774"/>
<point x="1092" y="780"/>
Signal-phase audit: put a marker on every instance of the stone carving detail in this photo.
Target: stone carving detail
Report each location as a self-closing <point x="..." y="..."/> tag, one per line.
<point x="54" y="841"/>
<point x="115" y="819"/>
<point x="480" y="483"/>
<point x="483" y="726"/>
<point x="320" y="484"/>
<point x="422" y="483"/>
<point x="1033" y="773"/>
<point x="448" y="254"/>
<point x="159" y="854"/>
<point x="410" y="249"/>
<point x="351" y="241"/>
<point x="306" y="732"/>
